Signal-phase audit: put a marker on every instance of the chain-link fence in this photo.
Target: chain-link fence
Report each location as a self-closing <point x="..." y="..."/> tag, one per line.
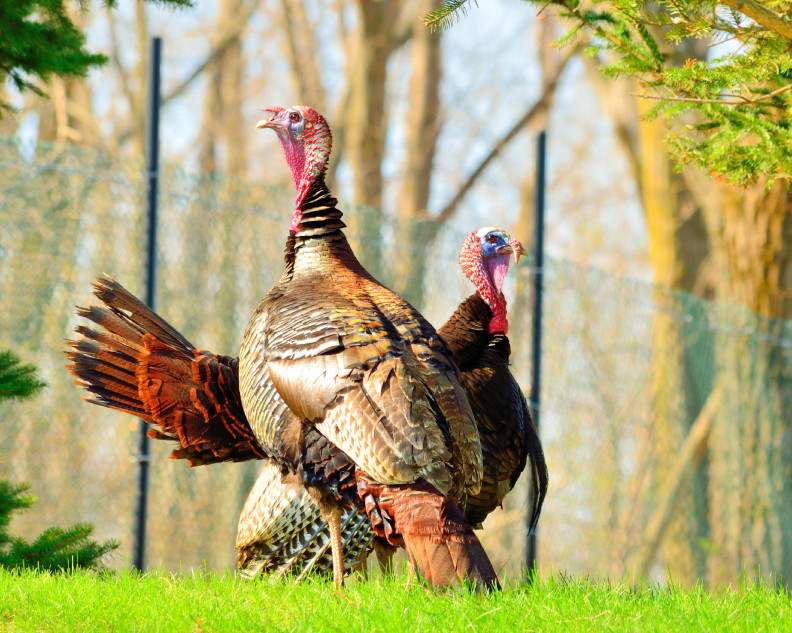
<point x="665" y="419"/>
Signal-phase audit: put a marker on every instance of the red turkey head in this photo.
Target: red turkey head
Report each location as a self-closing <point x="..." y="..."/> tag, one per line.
<point x="484" y="258"/>
<point x="306" y="140"/>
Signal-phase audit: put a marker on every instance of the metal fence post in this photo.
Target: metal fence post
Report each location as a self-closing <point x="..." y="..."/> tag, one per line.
<point x="152" y="182"/>
<point x="536" y="330"/>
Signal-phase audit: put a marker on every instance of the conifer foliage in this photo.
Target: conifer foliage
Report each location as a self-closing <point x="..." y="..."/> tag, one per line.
<point x="733" y="113"/>
<point x="38" y="40"/>
<point x="55" y="548"/>
<point x="16" y="380"/>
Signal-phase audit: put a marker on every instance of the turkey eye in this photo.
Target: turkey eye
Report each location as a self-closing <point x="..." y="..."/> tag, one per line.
<point x="294" y="117"/>
<point x="492" y="238"/>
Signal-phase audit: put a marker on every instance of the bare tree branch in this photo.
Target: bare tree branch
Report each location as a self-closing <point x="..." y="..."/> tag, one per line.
<point x="339" y="137"/>
<point x="115" y="59"/>
<point x="217" y="50"/>
<point x="741" y="99"/>
<point x="311" y="55"/>
<point x="402" y="32"/>
<point x="303" y="54"/>
<point x="338" y="6"/>
<point x="762" y="15"/>
<point x="538" y="108"/>
<point x="690" y="454"/>
<point x="292" y="47"/>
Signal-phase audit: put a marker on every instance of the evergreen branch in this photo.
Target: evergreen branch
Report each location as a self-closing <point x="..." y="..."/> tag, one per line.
<point x="39" y="40"/>
<point x="12" y="498"/>
<point x="762" y="15"/>
<point x="17" y="381"/>
<point x="448" y="13"/>
<point x="55" y="548"/>
<point x="738" y="123"/>
<point x="620" y="43"/>
<point x="178" y="4"/>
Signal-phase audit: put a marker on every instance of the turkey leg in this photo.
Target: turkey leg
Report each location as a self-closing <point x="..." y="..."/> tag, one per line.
<point x="333" y="517"/>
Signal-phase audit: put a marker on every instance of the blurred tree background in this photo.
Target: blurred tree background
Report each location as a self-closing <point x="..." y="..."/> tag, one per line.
<point x="434" y="131"/>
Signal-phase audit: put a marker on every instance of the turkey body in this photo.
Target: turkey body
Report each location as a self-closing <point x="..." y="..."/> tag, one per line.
<point x="343" y="384"/>
<point x="508" y="436"/>
<point x="361" y="366"/>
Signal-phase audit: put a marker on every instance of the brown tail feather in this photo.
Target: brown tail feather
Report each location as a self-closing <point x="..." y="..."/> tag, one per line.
<point x="141" y="365"/>
<point x="113" y="324"/>
<point x="433" y="530"/>
<point x="118" y="298"/>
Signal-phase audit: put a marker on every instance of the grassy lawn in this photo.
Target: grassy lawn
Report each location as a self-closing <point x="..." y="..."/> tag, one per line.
<point x="206" y="603"/>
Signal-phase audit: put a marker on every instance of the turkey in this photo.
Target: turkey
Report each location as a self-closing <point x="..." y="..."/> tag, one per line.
<point x="139" y="364"/>
<point x="331" y="352"/>
<point x="476" y="334"/>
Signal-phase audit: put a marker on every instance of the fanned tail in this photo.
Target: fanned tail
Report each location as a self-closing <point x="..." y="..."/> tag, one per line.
<point x="139" y="364"/>
<point x="433" y="530"/>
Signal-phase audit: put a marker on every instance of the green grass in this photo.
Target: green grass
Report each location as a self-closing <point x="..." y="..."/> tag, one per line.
<point x="32" y="601"/>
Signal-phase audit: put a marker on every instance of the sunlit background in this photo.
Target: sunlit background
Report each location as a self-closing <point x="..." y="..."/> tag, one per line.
<point x="629" y="369"/>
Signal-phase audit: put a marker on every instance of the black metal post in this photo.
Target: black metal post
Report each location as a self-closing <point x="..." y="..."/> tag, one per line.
<point x="536" y="346"/>
<point x="152" y="183"/>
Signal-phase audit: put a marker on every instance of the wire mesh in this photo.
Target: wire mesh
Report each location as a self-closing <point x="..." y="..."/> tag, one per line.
<point x="665" y="419"/>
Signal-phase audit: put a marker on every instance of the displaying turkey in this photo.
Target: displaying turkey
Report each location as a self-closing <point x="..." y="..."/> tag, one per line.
<point x="137" y="363"/>
<point x="477" y="336"/>
<point x="330" y="351"/>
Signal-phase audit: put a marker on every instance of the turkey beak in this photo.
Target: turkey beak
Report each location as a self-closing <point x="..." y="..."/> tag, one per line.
<point x="504" y="250"/>
<point x="272" y="124"/>
<point x="516" y="249"/>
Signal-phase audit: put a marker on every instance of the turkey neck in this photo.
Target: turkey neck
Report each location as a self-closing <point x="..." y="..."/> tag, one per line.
<point x="467" y="334"/>
<point x="319" y="233"/>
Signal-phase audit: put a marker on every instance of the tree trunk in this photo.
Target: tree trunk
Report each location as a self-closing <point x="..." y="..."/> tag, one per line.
<point x="423" y="127"/>
<point x="223" y="124"/>
<point x="678" y="248"/>
<point x="367" y="116"/>
<point x="366" y="124"/>
<point x="303" y="51"/>
<point x="751" y="491"/>
<point x="675" y="249"/>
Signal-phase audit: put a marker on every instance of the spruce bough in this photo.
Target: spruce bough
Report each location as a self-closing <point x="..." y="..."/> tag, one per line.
<point x="39" y="40"/>
<point x="55" y="548"/>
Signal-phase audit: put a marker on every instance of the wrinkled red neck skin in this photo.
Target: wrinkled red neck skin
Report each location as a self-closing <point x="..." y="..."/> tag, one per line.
<point x="307" y="161"/>
<point x="295" y="158"/>
<point x="487" y="274"/>
<point x="497" y="267"/>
